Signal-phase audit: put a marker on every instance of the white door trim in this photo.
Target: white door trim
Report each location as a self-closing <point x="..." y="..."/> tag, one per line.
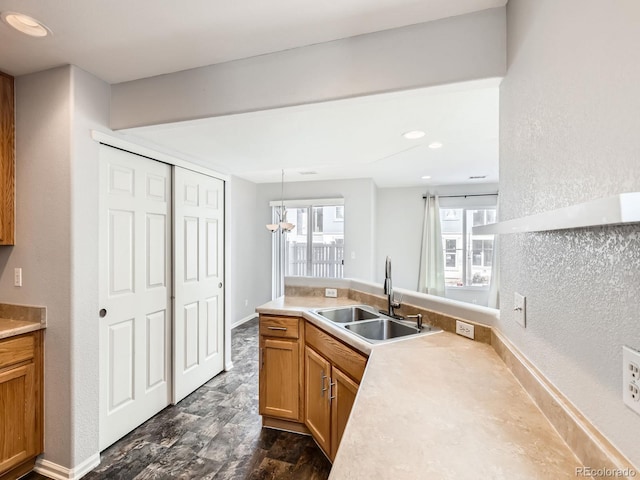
<point x="154" y="153"/>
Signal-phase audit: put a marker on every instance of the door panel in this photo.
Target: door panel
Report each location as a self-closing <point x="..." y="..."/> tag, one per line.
<point x="279" y="377"/>
<point x="198" y="276"/>
<point x="157" y="251"/>
<point x="135" y="261"/>
<point x="344" y="391"/>
<point x="121" y="360"/>
<point x="156" y="357"/>
<point x="317" y="409"/>
<point x="121" y="256"/>
<point x="16" y="415"/>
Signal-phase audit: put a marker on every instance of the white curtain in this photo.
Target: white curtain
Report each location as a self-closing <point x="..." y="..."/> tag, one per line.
<point x="431" y="278"/>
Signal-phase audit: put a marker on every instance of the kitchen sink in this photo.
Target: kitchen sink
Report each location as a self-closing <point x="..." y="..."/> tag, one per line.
<point x="348" y="314"/>
<point x="367" y="323"/>
<point x="381" y="329"/>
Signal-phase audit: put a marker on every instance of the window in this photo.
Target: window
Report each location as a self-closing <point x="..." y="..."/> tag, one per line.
<point x="314" y="248"/>
<point x="467" y="257"/>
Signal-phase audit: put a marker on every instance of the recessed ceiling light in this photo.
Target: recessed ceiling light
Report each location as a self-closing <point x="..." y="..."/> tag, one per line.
<point x="413" y="134"/>
<point x="435" y="145"/>
<point x="426" y="177"/>
<point x="25" y="24"/>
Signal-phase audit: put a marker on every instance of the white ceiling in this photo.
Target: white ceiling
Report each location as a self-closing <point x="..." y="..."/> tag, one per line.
<point x="354" y="138"/>
<point x="120" y="40"/>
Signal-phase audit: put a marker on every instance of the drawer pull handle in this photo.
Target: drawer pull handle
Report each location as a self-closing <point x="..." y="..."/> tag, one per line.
<point x="283" y="329"/>
<point x="331" y="392"/>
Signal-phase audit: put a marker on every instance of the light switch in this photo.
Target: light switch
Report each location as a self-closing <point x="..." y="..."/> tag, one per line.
<point x="17" y="277"/>
<point x="520" y="309"/>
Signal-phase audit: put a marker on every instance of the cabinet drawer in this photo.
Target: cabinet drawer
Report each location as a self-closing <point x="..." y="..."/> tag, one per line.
<point x="274" y="326"/>
<point x="341" y="355"/>
<point x="16" y="349"/>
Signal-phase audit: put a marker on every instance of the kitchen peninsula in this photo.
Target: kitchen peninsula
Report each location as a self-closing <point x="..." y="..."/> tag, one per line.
<point x="426" y="401"/>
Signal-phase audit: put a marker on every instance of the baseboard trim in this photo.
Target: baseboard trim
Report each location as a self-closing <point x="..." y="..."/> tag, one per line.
<point x="58" y="472"/>
<point x="228" y="366"/>
<point x="246" y="319"/>
<point x="285" y="425"/>
<point x="592" y="448"/>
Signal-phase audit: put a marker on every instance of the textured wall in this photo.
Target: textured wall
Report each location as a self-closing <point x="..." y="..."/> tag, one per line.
<point x="90" y="109"/>
<point x="569" y="123"/>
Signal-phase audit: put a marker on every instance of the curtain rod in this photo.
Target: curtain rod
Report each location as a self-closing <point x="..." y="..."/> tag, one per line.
<point x="465" y="196"/>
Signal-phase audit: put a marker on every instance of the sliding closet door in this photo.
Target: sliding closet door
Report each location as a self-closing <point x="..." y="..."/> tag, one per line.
<point x="135" y="288"/>
<point x="198" y="275"/>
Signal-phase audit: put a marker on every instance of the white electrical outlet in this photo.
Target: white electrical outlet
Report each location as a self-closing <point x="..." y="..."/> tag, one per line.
<point x="520" y="309"/>
<point x="331" y="292"/>
<point x="17" y="277"/>
<point x="465" y="329"/>
<point x="631" y="378"/>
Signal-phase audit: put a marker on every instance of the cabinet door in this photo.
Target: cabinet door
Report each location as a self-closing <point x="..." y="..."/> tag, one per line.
<point x="343" y="395"/>
<point x="317" y="408"/>
<point x="17" y="416"/>
<point x="279" y="378"/>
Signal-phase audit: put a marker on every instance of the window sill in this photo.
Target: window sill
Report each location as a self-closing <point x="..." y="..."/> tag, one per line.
<point x="468" y="287"/>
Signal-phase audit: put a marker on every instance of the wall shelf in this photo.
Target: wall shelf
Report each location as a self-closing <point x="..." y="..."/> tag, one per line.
<point x="615" y="210"/>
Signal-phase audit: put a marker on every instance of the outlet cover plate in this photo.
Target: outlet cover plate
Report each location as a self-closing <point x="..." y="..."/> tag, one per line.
<point x="520" y="309"/>
<point x="631" y="378"/>
<point x="331" y="292"/>
<point x="465" y="329"/>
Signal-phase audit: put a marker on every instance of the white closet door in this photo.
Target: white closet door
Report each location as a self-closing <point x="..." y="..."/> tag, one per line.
<point x="198" y="275"/>
<point x="135" y="275"/>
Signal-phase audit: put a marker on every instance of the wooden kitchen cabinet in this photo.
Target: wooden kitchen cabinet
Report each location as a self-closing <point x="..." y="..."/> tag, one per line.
<point x="7" y="161"/>
<point x="333" y="372"/>
<point x="344" y="392"/>
<point x="281" y="373"/>
<point x="21" y="409"/>
<point x="317" y="376"/>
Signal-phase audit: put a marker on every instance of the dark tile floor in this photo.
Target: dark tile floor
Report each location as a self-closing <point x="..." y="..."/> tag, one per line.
<point x="215" y="433"/>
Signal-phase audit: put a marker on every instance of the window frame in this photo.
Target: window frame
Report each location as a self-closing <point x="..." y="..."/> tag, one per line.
<point x="466" y="205"/>
<point x="278" y="244"/>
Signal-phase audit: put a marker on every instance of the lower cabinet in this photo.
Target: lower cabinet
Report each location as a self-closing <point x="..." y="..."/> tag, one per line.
<point x="281" y="368"/>
<point x="317" y="378"/>
<point x="308" y="380"/>
<point x="20" y="404"/>
<point x="344" y="392"/>
<point x="332" y="374"/>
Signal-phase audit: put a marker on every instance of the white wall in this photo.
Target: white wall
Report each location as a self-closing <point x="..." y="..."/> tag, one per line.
<point x="359" y="225"/>
<point x="399" y="219"/>
<point x="455" y="49"/>
<point x="43" y="227"/>
<point x="569" y="123"/>
<point x="56" y="205"/>
<point x="90" y="98"/>
<point x="244" y="231"/>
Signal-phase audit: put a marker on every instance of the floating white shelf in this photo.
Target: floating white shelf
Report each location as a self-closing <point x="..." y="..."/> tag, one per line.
<point x="615" y="210"/>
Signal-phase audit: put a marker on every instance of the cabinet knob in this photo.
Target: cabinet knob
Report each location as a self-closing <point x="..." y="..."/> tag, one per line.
<point x="103" y="312"/>
<point x="220" y="285"/>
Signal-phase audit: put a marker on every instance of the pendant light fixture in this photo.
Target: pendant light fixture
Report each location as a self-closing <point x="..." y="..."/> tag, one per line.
<point x="282" y="225"/>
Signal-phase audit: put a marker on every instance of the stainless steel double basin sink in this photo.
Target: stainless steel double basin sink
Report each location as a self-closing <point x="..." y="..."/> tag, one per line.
<point x="372" y="326"/>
